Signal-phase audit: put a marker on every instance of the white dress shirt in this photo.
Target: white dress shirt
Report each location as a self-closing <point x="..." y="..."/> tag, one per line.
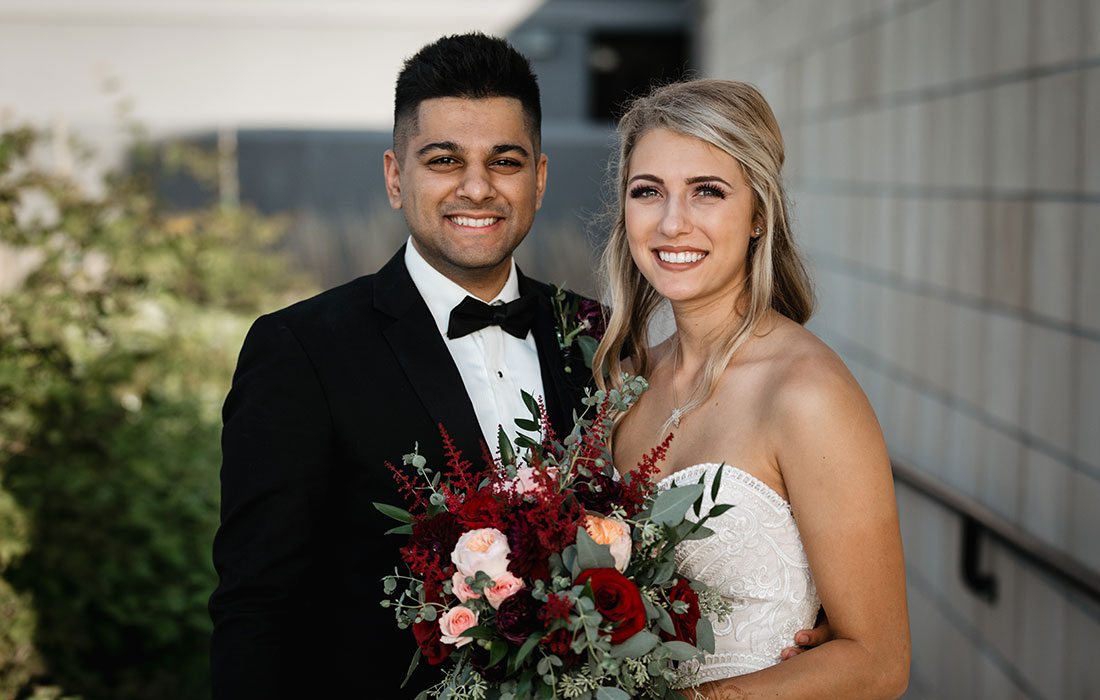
<point x="494" y="365"/>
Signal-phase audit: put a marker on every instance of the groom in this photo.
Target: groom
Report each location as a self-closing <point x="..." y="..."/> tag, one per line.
<point x="326" y="391"/>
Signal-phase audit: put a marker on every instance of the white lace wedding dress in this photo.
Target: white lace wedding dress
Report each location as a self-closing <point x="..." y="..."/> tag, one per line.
<point x="756" y="561"/>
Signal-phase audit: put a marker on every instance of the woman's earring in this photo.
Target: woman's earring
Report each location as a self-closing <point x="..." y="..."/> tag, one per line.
<point x="757" y="232"/>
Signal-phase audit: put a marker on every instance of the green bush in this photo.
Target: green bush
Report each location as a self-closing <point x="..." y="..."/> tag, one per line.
<point x="116" y="350"/>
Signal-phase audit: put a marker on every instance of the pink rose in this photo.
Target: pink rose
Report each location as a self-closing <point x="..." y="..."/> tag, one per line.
<point x="504" y="586"/>
<point x="454" y="622"/>
<point x="461" y="589"/>
<point x="485" y="550"/>
<point x="614" y="533"/>
<point x="525" y="482"/>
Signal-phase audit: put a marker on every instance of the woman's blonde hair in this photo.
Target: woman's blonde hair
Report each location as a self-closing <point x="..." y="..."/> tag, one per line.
<point x="734" y="117"/>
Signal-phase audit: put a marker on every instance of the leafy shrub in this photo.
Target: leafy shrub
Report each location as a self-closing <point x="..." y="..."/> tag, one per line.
<point x="116" y="350"/>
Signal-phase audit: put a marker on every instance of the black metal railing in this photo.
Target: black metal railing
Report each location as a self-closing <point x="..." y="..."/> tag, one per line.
<point x="979" y="521"/>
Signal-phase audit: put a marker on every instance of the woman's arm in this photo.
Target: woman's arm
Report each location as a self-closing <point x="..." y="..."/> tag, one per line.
<point x="836" y="469"/>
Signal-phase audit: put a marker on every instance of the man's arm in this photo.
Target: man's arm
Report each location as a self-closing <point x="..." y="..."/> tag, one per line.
<point x="275" y="463"/>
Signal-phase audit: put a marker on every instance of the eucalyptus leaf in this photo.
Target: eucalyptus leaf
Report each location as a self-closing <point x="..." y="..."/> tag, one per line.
<point x="588" y="347"/>
<point x="497" y="651"/>
<point x="399" y="514"/>
<point x="664" y="621"/>
<point x="527" y="648"/>
<point x="636" y="646"/>
<point x="704" y="634"/>
<point x="681" y="651"/>
<point x="604" y="693"/>
<point x="672" y="505"/>
<point x="412" y="667"/>
<point x="665" y="571"/>
<point x="591" y="555"/>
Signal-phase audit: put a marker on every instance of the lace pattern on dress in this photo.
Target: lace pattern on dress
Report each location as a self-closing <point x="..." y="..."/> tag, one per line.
<point x="755" y="559"/>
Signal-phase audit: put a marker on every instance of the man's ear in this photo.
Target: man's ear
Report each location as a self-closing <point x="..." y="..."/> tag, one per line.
<point x="392" y="172"/>
<point x="540" y="179"/>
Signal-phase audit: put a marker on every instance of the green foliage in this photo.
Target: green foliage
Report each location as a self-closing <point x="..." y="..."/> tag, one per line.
<point x="116" y="350"/>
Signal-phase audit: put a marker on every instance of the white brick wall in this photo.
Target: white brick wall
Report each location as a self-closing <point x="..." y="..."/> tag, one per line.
<point x="944" y="160"/>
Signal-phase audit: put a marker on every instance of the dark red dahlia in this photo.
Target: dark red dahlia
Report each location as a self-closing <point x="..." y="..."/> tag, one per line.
<point x="481" y="510"/>
<point x="428" y="552"/>
<point x="600" y="494"/>
<point x="518" y="617"/>
<point x="528" y="560"/>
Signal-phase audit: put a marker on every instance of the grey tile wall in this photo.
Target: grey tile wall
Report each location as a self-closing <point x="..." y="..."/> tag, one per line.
<point x="944" y="161"/>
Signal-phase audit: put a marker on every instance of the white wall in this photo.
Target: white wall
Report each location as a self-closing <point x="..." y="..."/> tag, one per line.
<point x="943" y="159"/>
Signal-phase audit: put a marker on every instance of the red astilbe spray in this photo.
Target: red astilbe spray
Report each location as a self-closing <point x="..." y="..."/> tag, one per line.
<point x="460" y="480"/>
<point x="548" y="434"/>
<point x="639" y="484"/>
<point x="406" y="486"/>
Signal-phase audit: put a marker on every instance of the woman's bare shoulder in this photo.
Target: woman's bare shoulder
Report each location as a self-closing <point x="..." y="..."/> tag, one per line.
<point x="804" y="376"/>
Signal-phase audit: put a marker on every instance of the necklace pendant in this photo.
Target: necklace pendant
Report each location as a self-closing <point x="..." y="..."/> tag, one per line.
<point x="676" y="415"/>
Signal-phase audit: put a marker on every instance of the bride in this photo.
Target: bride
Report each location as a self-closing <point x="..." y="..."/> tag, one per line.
<point x="703" y="222"/>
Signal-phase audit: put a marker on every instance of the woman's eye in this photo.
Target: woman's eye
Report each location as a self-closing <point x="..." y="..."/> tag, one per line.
<point x="643" y="192"/>
<point x="711" y="191"/>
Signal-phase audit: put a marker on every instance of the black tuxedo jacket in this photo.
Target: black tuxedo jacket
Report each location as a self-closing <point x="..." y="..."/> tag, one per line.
<point x="325" y="392"/>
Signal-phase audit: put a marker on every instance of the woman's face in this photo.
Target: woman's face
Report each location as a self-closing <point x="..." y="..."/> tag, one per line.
<point x="689" y="217"/>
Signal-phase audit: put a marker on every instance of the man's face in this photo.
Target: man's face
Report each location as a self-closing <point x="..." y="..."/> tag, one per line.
<point x="469" y="183"/>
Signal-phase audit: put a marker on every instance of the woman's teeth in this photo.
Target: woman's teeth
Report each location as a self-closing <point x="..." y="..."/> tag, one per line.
<point x="680" y="257"/>
<point x="474" y="223"/>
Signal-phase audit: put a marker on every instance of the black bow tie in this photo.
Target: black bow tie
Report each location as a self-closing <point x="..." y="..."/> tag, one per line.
<point x="472" y="315"/>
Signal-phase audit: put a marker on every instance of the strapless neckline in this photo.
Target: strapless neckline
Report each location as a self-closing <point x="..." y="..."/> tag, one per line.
<point x="728" y="471"/>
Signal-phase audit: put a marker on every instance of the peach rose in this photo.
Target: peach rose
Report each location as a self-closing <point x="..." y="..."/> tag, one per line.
<point x="504" y="586"/>
<point x="485" y="549"/>
<point x="614" y="533"/>
<point x="454" y="622"/>
<point x="461" y="589"/>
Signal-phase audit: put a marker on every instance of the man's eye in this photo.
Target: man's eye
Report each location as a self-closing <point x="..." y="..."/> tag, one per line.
<point x="507" y="163"/>
<point x="443" y="161"/>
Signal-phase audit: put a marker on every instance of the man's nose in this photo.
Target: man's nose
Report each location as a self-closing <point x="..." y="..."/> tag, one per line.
<point x="476" y="185"/>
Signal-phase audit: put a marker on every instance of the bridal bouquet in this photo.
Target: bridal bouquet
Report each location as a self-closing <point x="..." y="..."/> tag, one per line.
<point x="547" y="575"/>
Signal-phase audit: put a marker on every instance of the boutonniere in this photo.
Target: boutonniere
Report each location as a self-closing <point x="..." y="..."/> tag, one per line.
<point x="580" y="324"/>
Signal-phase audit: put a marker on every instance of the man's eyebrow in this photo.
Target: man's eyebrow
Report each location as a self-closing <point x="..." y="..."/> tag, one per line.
<point x="439" y="146"/>
<point x="503" y="148"/>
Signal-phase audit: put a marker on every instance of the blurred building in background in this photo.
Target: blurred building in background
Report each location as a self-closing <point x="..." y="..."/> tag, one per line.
<point x="943" y="159"/>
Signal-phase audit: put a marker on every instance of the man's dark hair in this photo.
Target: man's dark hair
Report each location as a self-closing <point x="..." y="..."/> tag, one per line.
<point x="464" y="65"/>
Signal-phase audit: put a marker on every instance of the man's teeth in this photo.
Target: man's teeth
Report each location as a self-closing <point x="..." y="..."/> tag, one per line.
<point x="474" y="223"/>
<point x="681" y="257"/>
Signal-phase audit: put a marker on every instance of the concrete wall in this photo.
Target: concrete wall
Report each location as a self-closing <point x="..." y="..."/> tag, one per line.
<point x="944" y="159"/>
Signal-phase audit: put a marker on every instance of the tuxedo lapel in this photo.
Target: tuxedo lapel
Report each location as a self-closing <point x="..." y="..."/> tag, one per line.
<point x="560" y="399"/>
<point x="423" y="355"/>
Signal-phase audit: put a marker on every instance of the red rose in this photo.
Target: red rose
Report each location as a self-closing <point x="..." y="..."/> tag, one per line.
<point x="618" y="600"/>
<point x="479" y="511"/>
<point x="427" y="637"/>
<point x="684" y="623"/>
